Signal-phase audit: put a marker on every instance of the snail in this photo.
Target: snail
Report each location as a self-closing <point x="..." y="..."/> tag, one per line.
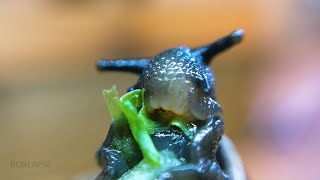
<point x="178" y="82"/>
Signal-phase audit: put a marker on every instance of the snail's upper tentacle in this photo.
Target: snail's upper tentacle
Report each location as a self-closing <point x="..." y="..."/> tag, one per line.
<point x="128" y="65"/>
<point x="209" y="51"/>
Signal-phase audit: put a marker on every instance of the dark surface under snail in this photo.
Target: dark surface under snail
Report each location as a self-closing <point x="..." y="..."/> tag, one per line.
<point x="178" y="81"/>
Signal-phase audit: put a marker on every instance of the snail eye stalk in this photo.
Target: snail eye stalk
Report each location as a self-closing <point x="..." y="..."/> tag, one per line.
<point x="130" y="65"/>
<point x="211" y="50"/>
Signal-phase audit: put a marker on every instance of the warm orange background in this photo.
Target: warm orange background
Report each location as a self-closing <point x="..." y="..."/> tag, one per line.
<point x="52" y="109"/>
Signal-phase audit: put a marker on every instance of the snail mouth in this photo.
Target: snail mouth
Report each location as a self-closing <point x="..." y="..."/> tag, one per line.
<point x="161" y="110"/>
<point x="168" y="116"/>
<point x="163" y="114"/>
<point x="169" y="102"/>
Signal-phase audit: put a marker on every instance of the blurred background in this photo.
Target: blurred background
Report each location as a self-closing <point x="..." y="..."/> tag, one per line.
<point x="51" y="105"/>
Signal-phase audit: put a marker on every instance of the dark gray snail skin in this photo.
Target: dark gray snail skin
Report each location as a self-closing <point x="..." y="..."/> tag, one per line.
<point x="176" y="80"/>
<point x="180" y="81"/>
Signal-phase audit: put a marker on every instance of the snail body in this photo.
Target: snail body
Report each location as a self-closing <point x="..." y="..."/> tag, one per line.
<point x="177" y="81"/>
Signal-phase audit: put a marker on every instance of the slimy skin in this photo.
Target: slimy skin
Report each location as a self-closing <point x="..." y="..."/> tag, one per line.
<point x="178" y="81"/>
